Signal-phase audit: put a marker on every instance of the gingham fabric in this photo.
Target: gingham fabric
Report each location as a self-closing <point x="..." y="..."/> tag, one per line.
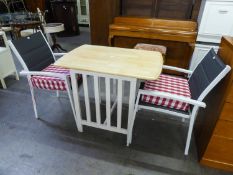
<point x="50" y="83"/>
<point x="169" y="84"/>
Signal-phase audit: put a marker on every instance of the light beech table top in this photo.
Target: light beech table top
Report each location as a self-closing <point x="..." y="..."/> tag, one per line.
<point x="134" y="63"/>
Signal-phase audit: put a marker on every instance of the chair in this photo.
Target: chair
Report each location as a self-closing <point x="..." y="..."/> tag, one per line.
<point x="37" y="60"/>
<point x="49" y="29"/>
<point x="179" y="96"/>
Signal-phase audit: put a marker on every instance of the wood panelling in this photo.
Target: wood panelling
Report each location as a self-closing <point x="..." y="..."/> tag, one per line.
<point x="131" y="8"/>
<point x="174" y="9"/>
<point x="227" y="113"/>
<point x="214" y="125"/>
<point x="102" y="13"/>
<point x="220" y="149"/>
<point x="196" y="8"/>
<point x="224" y="128"/>
<point x="230" y="95"/>
<point x="166" y="9"/>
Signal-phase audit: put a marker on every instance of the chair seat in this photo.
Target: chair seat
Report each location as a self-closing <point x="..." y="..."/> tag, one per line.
<point x="151" y="47"/>
<point x="53" y="27"/>
<point x="51" y="83"/>
<point x="169" y="84"/>
<point x="27" y="32"/>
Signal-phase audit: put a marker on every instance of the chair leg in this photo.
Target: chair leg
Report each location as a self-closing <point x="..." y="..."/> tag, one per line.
<point x="58" y="94"/>
<point x="33" y="101"/>
<point x="16" y="75"/>
<point x="190" y="130"/>
<point x="3" y="83"/>
<point x="76" y="105"/>
<point x="130" y="129"/>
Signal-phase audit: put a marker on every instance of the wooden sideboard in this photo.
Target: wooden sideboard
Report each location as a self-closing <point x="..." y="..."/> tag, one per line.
<point x="178" y="36"/>
<point x="214" y="125"/>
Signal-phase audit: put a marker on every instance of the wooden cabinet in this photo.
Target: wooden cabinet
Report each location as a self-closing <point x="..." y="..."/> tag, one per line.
<point x="215" y="20"/>
<point x="169" y="9"/>
<point x="7" y="66"/>
<point x="214" y="129"/>
<point x="66" y="13"/>
<point x="33" y="5"/>
<point x="102" y="13"/>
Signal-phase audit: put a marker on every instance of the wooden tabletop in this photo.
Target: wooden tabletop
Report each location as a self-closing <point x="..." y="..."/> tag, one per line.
<point x="139" y="64"/>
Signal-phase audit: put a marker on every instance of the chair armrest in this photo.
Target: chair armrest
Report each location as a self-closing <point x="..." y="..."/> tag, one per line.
<point x="173" y="96"/>
<point x="40" y="73"/>
<point x="177" y="69"/>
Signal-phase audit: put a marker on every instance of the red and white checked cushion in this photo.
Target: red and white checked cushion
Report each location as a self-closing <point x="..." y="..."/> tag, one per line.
<point x="50" y="83"/>
<point x="169" y="84"/>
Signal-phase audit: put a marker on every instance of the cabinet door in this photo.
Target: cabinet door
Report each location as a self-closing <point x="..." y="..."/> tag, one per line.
<point x="174" y="9"/>
<point x="217" y="19"/>
<point x="143" y="8"/>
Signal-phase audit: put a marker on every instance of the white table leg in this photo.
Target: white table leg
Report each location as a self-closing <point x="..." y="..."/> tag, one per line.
<point x="132" y="95"/>
<point x="78" y="117"/>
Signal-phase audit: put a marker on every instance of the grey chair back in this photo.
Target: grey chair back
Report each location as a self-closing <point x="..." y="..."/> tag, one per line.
<point x="205" y="73"/>
<point x="34" y="51"/>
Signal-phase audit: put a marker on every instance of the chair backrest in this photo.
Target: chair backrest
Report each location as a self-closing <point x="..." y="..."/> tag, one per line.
<point x="33" y="52"/>
<point x="206" y="75"/>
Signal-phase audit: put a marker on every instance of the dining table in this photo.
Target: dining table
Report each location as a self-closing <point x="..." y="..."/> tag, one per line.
<point x="117" y="67"/>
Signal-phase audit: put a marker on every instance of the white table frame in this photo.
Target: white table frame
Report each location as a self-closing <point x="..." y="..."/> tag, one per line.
<point x="119" y="80"/>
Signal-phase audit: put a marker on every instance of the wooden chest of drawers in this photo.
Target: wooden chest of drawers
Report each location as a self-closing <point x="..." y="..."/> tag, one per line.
<point x="214" y="130"/>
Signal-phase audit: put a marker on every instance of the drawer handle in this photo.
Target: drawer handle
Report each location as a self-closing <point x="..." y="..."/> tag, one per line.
<point x="223" y="11"/>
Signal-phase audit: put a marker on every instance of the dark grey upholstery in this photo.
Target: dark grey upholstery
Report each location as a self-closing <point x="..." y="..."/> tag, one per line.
<point x="207" y="70"/>
<point x="34" y="51"/>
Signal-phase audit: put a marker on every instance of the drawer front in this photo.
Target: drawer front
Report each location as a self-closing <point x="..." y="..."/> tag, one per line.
<point x="227" y="112"/>
<point x="224" y="128"/>
<point x="220" y="150"/>
<point x="217" y="18"/>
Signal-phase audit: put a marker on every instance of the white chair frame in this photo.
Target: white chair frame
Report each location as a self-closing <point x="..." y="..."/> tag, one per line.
<point x="196" y="103"/>
<point x="29" y="74"/>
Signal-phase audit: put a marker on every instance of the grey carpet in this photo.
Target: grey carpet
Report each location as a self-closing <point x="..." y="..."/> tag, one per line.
<point x="53" y="146"/>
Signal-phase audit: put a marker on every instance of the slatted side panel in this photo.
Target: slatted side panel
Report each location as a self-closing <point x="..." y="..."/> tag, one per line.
<point x="111" y="99"/>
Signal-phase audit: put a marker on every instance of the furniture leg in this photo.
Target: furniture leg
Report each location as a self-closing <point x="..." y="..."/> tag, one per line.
<point x="57" y="93"/>
<point x="69" y="95"/>
<point x="132" y="96"/>
<point x="78" y="117"/>
<point x="55" y="44"/>
<point x="3" y="83"/>
<point x="16" y="76"/>
<point x="190" y="130"/>
<point x="33" y="98"/>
